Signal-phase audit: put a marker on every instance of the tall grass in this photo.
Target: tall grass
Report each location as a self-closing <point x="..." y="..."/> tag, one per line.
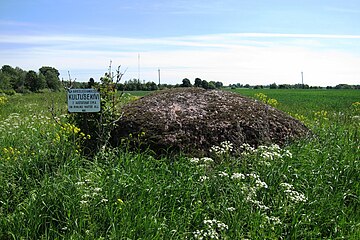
<point x="307" y="190"/>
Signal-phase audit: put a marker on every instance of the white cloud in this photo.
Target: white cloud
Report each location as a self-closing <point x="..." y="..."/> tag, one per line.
<point x="254" y="58"/>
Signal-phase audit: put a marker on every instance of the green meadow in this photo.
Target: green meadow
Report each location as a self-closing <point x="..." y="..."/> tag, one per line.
<point x="309" y="189"/>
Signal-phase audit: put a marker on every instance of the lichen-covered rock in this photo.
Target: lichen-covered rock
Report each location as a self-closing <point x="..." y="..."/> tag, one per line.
<point x="192" y="120"/>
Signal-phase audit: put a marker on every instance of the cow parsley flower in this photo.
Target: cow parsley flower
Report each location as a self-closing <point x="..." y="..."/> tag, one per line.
<point x="203" y="178"/>
<point x="223" y="174"/>
<point x="194" y="160"/>
<point x="237" y="176"/>
<point x="230" y="209"/>
<point x="212" y="229"/>
<point x="207" y="160"/>
<point x="295" y="196"/>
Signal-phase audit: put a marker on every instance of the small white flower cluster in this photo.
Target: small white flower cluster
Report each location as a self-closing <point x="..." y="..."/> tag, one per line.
<point x="246" y="148"/>
<point x="258" y="183"/>
<point x="225" y="147"/>
<point x="273" y="220"/>
<point x="11" y="126"/>
<point x="258" y="204"/>
<point x="270" y="222"/>
<point x="211" y="231"/>
<point x="90" y="193"/>
<point x="266" y="153"/>
<point x="223" y="174"/>
<point x="205" y="160"/>
<point x="293" y="195"/>
<point x="203" y="178"/>
<point x="237" y="176"/>
<point x="230" y="209"/>
<point x="251" y="189"/>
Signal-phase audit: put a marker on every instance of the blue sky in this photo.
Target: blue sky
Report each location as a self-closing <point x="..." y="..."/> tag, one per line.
<point x="253" y="41"/>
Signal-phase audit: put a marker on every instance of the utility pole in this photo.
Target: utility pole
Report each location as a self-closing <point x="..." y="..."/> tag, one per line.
<point x="159" y="76"/>
<point x="139" y="67"/>
<point x="302" y="79"/>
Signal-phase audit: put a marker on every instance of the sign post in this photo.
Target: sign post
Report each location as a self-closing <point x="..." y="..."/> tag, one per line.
<point x="83" y="100"/>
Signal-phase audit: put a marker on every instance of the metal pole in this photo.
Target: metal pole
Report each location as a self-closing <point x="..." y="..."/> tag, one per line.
<point x="139" y="67"/>
<point x="302" y="79"/>
<point x="159" y="76"/>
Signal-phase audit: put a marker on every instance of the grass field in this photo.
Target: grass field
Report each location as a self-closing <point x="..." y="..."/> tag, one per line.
<point x="307" y="190"/>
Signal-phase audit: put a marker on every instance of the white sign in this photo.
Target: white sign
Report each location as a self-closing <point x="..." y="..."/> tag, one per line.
<point x="83" y="100"/>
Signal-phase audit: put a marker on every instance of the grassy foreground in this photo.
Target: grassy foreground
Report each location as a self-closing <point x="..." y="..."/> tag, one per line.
<point x="307" y="190"/>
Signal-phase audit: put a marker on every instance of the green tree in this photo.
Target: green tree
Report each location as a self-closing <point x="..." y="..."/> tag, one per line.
<point x="51" y="77"/>
<point x="7" y="77"/>
<point x="186" y="83"/>
<point x="273" y="86"/>
<point x="12" y="78"/>
<point x="211" y="85"/>
<point x="219" y="84"/>
<point x="4" y="81"/>
<point x="34" y="82"/>
<point x="197" y="82"/>
<point x="91" y="83"/>
<point x="205" y="84"/>
<point x="19" y="80"/>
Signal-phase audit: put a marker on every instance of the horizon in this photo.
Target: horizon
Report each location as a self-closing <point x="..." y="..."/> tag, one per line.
<point x="248" y="42"/>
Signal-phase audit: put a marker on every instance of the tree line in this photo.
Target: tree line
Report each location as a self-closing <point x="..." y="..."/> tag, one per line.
<point x="14" y="80"/>
<point x="137" y="85"/>
<point x="293" y="86"/>
<point x="18" y="80"/>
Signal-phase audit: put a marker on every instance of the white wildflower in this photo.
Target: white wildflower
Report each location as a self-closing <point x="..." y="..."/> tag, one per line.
<point x="216" y="224"/>
<point x="286" y="186"/>
<point x="260" y="184"/>
<point x="259" y="204"/>
<point x="207" y="160"/>
<point x="230" y="209"/>
<point x="287" y="153"/>
<point x="85" y="195"/>
<point x="253" y="175"/>
<point x="295" y="196"/>
<point x="203" y="178"/>
<point x="225" y="148"/>
<point x="273" y="220"/>
<point x="223" y="174"/>
<point x="237" y="176"/>
<point x="247" y="148"/>
<point x="194" y="160"/>
<point x="274" y="148"/>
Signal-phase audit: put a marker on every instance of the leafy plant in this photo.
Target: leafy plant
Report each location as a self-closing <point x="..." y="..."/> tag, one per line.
<point x="100" y="125"/>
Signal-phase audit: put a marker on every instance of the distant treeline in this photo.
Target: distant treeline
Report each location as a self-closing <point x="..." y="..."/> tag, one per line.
<point x="294" y="86"/>
<point x="137" y="85"/>
<point x="14" y="80"/>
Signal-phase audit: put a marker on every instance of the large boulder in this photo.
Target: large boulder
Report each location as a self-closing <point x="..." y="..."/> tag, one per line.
<point x="192" y="120"/>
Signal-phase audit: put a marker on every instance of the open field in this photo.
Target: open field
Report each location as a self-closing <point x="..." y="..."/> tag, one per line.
<point x="307" y="190"/>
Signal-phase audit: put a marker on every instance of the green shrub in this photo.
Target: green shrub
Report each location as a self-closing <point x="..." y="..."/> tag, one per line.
<point x="9" y="92"/>
<point x="100" y="125"/>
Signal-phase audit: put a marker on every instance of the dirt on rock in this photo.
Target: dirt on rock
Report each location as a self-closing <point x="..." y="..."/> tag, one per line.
<point x="192" y="120"/>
